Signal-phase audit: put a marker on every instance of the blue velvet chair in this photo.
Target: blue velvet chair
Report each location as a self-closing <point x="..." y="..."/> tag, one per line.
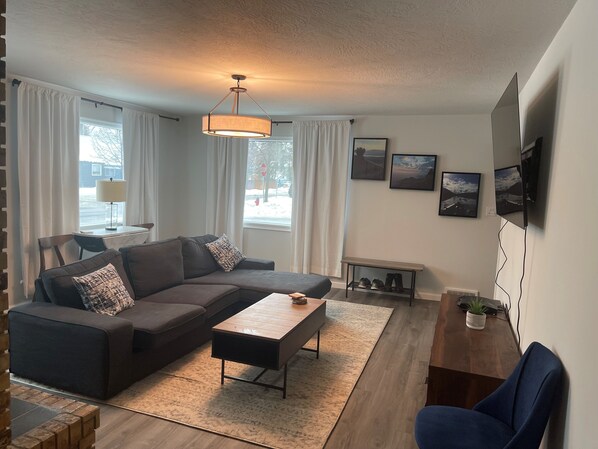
<point x="513" y="417"/>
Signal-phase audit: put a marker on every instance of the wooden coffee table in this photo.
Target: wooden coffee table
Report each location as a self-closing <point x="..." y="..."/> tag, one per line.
<point x="267" y="334"/>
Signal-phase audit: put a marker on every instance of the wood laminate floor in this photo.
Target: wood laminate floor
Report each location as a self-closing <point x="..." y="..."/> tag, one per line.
<point x="380" y="412"/>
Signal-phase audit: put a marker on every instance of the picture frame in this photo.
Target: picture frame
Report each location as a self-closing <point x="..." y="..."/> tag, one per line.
<point x="459" y="194"/>
<point x="413" y="171"/>
<point x="369" y="158"/>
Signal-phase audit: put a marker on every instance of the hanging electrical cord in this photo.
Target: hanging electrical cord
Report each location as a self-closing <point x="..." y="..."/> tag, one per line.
<point x="521" y="287"/>
<point x="502" y="266"/>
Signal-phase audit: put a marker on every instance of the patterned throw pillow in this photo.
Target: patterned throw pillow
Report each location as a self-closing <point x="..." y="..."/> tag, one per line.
<point x="103" y="291"/>
<point x="225" y="253"/>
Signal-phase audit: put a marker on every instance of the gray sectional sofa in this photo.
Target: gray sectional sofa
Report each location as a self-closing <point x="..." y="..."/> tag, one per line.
<point x="180" y="292"/>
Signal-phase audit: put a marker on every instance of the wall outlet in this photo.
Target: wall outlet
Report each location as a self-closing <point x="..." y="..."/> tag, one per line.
<point x="490" y="212"/>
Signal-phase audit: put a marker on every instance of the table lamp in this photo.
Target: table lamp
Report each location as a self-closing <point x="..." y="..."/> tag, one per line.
<point x="111" y="191"/>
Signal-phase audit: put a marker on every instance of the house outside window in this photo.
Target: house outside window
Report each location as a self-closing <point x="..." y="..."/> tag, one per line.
<point x="268" y="189"/>
<point x="96" y="169"/>
<point x="100" y="157"/>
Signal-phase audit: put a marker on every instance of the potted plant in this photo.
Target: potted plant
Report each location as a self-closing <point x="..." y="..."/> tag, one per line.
<point x="476" y="314"/>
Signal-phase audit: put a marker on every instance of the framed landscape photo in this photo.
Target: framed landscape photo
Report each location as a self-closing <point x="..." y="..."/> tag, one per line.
<point x="459" y="194"/>
<point x="369" y="159"/>
<point x="413" y="171"/>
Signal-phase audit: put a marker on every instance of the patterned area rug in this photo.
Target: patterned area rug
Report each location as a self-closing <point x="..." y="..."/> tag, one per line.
<point x="188" y="391"/>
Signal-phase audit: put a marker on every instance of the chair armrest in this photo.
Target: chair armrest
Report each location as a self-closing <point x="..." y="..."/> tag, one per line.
<point x="255" y="264"/>
<point x="79" y="351"/>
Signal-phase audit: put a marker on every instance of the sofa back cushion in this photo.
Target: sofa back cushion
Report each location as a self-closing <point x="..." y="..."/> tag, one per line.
<point x="58" y="282"/>
<point x="197" y="260"/>
<point x="153" y="267"/>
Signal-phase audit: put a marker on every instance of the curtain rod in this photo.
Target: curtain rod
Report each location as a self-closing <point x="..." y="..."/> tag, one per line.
<point x="279" y="122"/>
<point x="16" y="82"/>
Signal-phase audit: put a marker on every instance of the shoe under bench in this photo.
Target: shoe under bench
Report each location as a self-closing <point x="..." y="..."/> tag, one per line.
<point x="352" y="262"/>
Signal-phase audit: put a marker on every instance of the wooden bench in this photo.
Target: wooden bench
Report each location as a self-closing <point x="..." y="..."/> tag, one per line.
<point x="412" y="268"/>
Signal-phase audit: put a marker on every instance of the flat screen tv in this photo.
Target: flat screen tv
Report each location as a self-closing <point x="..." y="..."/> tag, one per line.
<point x="515" y="171"/>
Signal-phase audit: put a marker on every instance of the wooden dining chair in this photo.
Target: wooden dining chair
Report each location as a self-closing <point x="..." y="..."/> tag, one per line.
<point x="145" y="225"/>
<point x="54" y="243"/>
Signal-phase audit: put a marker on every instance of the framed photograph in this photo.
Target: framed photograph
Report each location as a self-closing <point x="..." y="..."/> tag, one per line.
<point x="413" y="171"/>
<point x="369" y="159"/>
<point x="459" y="194"/>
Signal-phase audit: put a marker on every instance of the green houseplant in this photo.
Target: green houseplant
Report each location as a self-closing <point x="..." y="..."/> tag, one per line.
<point x="476" y="314"/>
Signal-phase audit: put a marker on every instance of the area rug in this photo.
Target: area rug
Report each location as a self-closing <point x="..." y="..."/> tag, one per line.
<point x="188" y="391"/>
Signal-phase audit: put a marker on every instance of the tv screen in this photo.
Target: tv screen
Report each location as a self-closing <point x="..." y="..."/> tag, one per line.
<point x="506" y="144"/>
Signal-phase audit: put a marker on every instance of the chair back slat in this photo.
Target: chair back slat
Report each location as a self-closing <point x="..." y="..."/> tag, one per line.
<point x="145" y="225"/>
<point x="54" y="243"/>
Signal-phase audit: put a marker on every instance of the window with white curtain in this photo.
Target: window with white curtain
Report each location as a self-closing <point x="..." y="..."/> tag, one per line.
<point x="100" y="157"/>
<point x="269" y="185"/>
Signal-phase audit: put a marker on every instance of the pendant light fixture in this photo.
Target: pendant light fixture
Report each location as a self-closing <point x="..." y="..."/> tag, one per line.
<point x="234" y="124"/>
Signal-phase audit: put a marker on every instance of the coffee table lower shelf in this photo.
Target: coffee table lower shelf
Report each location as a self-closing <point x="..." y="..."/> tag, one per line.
<point x="254" y="381"/>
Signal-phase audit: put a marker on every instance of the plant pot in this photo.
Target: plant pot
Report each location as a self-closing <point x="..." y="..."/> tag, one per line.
<point x="477" y="322"/>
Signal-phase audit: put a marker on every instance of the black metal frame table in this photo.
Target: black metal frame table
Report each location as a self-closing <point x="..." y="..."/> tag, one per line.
<point x="412" y="268"/>
<point x="267" y="334"/>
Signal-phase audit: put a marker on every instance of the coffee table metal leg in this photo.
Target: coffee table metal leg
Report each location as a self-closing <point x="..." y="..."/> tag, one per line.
<point x="284" y="384"/>
<point x="318" y="346"/>
<point x="222" y="373"/>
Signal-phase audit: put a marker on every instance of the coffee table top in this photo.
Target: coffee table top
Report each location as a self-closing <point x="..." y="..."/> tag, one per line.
<point x="271" y="318"/>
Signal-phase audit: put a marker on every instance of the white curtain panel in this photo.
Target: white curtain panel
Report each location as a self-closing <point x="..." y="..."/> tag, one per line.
<point x="48" y="161"/>
<point x="320" y="158"/>
<point x="140" y="148"/>
<point x="227" y="172"/>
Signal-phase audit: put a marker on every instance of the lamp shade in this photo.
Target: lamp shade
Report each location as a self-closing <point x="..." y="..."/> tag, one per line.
<point x="233" y="125"/>
<point x="111" y="191"/>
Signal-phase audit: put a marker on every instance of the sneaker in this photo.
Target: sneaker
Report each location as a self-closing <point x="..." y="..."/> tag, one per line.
<point x="377" y="284"/>
<point x="364" y="283"/>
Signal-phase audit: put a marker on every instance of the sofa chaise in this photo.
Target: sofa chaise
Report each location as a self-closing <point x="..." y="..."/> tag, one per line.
<point x="179" y="294"/>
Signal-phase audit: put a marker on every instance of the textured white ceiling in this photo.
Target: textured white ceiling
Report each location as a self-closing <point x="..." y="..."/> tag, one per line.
<point x="301" y="57"/>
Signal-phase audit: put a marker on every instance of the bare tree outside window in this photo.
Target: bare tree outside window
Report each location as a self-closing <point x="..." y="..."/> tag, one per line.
<point x="106" y="142"/>
<point x="269" y="180"/>
<point x="100" y="157"/>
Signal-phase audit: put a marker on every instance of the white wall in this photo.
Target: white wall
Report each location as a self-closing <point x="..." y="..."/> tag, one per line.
<point x="559" y="306"/>
<point x="195" y="172"/>
<point x="173" y="182"/>
<point x="404" y="225"/>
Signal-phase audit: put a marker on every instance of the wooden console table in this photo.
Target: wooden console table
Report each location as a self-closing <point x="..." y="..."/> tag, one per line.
<point x="412" y="268"/>
<point x="467" y="365"/>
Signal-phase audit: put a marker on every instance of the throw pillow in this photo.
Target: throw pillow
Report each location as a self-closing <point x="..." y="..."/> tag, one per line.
<point x="225" y="253"/>
<point x="102" y="291"/>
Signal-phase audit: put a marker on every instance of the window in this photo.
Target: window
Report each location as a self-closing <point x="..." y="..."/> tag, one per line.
<point x="269" y="188"/>
<point x="96" y="169"/>
<point x="100" y="157"/>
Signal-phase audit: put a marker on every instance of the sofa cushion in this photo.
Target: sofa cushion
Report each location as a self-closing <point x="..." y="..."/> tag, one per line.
<point x="225" y="253"/>
<point x="257" y="284"/>
<point x="155" y="325"/>
<point x="154" y="266"/>
<point x="213" y="298"/>
<point x="197" y="260"/>
<point x="102" y="291"/>
<point x="58" y="282"/>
